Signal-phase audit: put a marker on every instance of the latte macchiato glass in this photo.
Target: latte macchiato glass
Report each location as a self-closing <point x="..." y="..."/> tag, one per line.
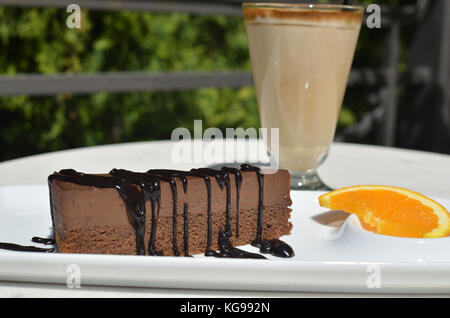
<point x="301" y="57"/>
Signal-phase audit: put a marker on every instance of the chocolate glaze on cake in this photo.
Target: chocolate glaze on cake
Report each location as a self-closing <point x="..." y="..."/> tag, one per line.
<point x="135" y="189"/>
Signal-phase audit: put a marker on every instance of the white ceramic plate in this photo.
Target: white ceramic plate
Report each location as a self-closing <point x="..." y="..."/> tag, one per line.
<point x="329" y="258"/>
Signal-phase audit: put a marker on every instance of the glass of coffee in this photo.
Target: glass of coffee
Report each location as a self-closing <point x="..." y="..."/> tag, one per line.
<point x="301" y="57"/>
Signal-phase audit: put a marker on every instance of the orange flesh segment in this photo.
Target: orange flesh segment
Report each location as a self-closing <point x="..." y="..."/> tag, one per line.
<point x="387" y="212"/>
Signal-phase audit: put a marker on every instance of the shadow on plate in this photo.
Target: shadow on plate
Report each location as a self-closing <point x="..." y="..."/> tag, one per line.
<point x="334" y="218"/>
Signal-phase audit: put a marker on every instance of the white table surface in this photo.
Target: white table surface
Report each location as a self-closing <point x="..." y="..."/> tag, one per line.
<point x="347" y="164"/>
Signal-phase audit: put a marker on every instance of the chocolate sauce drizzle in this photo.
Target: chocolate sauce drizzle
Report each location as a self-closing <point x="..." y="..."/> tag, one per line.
<point x="225" y="247"/>
<point x="169" y="175"/>
<point x="136" y="189"/>
<point x="43" y="240"/>
<point x="186" y="229"/>
<point x="22" y="248"/>
<point x="238" y="181"/>
<point x="274" y="247"/>
<point x="35" y="239"/>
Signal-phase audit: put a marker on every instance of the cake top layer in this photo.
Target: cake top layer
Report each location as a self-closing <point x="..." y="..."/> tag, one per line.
<point x="317" y="14"/>
<point x="276" y="188"/>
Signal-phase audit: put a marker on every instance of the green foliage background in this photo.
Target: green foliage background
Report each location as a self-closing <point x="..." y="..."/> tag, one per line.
<point x="37" y="41"/>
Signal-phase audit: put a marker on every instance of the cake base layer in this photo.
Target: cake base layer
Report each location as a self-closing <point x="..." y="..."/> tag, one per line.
<point x="122" y="239"/>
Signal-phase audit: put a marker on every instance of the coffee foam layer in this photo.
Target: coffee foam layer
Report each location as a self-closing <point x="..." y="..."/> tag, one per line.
<point x="325" y="17"/>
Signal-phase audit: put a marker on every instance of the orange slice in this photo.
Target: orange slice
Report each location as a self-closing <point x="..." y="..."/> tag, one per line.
<point x="391" y="211"/>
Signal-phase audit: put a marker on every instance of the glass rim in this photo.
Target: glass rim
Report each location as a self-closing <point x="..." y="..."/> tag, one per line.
<point x="303" y="6"/>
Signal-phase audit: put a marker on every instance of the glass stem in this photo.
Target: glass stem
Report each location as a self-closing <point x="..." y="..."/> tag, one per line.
<point x="307" y="180"/>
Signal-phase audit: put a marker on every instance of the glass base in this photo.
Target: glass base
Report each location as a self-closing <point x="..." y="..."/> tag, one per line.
<point x="307" y="180"/>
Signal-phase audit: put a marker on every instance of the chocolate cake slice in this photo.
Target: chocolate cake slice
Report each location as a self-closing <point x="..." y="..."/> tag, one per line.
<point x="169" y="212"/>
